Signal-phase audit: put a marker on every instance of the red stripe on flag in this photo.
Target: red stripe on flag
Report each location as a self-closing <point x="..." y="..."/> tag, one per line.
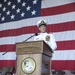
<point x="19" y="31"/>
<point x="56" y="64"/>
<point x="61" y="27"/>
<point x="61" y="45"/>
<point x="7" y="63"/>
<point x="33" y="29"/>
<point x="58" y="9"/>
<point x="63" y="64"/>
<point x="66" y="45"/>
<point x="4" y="48"/>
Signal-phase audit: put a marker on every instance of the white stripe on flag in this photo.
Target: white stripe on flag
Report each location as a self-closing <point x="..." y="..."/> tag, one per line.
<point x="59" y="36"/>
<point x="14" y="39"/>
<point x="61" y="18"/>
<point x="53" y="3"/>
<point x="8" y="56"/>
<point x="64" y="55"/>
<point x="57" y="55"/>
<point x="64" y="36"/>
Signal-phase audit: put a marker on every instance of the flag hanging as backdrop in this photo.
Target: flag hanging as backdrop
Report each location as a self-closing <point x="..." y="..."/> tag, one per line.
<point x="18" y="19"/>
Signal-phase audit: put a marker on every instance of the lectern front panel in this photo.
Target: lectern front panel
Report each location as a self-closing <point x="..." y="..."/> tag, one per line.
<point x="33" y="58"/>
<point x="28" y="66"/>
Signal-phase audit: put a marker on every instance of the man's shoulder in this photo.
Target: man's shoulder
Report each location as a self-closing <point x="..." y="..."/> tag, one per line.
<point x="50" y="33"/>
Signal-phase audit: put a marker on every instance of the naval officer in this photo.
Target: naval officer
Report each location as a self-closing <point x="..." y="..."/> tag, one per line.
<point x="48" y="38"/>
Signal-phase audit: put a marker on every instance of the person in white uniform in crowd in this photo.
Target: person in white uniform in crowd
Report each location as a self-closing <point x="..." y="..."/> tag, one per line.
<point x="48" y="38"/>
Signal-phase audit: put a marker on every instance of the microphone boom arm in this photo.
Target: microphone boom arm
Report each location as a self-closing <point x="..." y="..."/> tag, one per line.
<point x="23" y="41"/>
<point x="28" y="38"/>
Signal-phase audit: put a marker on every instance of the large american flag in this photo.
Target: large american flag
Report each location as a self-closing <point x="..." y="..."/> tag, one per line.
<point x="18" y="19"/>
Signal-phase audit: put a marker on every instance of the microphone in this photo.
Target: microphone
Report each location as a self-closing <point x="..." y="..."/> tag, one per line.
<point x="36" y="34"/>
<point x="31" y="37"/>
<point x="23" y="41"/>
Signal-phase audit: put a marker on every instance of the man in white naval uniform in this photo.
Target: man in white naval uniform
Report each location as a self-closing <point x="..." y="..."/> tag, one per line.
<point x="48" y="38"/>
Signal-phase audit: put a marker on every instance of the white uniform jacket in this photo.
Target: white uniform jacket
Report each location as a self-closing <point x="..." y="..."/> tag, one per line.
<point x="48" y="38"/>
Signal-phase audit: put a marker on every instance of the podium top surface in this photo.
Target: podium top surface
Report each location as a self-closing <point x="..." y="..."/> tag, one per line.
<point x="33" y="47"/>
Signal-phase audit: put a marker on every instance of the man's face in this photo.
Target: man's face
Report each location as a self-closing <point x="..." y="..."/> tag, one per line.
<point x="42" y="28"/>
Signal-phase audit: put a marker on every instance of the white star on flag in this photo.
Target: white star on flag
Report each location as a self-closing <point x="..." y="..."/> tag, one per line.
<point x="23" y="4"/>
<point x="33" y="12"/>
<point x="8" y="12"/>
<point x="13" y="7"/>
<point x="9" y="3"/>
<point x="0" y="5"/>
<point x="5" y="0"/>
<point x="18" y="10"/>
<point x="12" y="17"/>
<point x="35" y="2"/>
<point x="22" y="15"/>
<point x="18" y="1"/>
<point x="28" y="8"/>
<point x="4" y="9"/>
<point x="3" y="18"/>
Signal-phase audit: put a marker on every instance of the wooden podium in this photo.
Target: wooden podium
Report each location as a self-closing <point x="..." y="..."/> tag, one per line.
<point x="33" y="58"/>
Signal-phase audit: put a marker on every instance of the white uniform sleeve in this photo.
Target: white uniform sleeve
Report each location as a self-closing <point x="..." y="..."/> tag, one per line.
<point x="52" y="42"/>
<point x="36" y="38"/>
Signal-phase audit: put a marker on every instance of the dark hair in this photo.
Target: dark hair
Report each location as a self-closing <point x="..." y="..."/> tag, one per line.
<point x="42" y="24"/>
<point x="25" y="62"/>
